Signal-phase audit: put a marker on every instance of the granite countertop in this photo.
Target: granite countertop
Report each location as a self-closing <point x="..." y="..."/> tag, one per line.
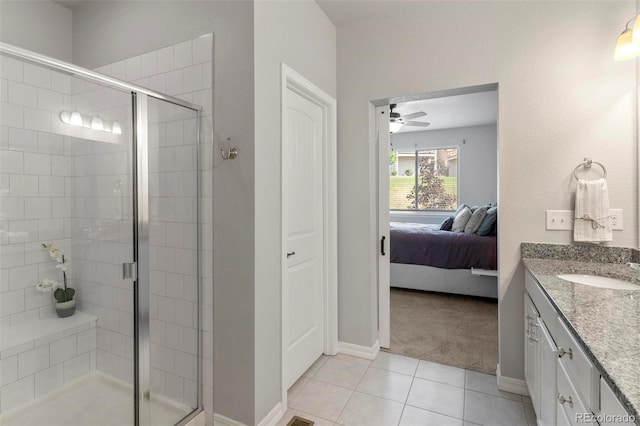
<point x="605" y="321"/>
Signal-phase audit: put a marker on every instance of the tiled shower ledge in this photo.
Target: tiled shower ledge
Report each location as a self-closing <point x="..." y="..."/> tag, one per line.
<point x="14" y="337"/>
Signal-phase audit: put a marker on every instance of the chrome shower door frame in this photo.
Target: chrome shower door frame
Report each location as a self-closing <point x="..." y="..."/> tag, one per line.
<point x="142" y="285"/>
<point x="142" y="366"/>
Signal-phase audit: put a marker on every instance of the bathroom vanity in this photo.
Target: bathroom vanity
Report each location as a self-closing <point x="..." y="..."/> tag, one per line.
<point x="582" y="342"/>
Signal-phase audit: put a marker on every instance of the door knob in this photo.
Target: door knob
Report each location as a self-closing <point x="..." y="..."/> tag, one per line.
<point x="564" y="400"/>
<point x="562" y="352"/>
<point x="291" y="253"/>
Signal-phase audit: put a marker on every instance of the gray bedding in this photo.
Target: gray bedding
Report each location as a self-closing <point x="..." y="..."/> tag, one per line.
<point x="420" y="244"/>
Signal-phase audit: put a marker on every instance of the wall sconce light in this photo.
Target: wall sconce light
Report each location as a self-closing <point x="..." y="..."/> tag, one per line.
<point x="628" y="46"/>
<point x="94" y="122"/>
<point x="76" y="119"/>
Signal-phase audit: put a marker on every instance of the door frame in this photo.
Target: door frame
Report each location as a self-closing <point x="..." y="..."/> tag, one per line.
<point x="384" y="291"/>
<point x="291" y="80"/>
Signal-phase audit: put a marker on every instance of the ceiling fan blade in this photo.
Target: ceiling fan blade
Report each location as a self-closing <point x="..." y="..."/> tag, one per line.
<point x="413" y="115"/>
<point x="417" y="123"/>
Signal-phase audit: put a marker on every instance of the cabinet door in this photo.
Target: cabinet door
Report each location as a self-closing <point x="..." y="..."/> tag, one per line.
<point x="561" y="419"/>
<point x="612" y="412"/>
<point x="532" y="352"/>
<point x="548" y="358"/>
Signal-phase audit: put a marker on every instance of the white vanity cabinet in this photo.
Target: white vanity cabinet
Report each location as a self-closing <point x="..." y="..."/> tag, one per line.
<point x="562" y="382"/>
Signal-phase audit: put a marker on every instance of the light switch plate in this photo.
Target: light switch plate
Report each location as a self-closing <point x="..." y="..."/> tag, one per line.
<point x="562" y="220"/>
<point x="559" y="220"/>
<point x="616" y="219"/>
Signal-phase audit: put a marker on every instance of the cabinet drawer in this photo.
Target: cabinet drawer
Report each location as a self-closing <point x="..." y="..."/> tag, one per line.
<point x="578" y="366"/>
<point x="569" y="399"/>
<point x="612" y="412"/>
<point x="544" y="306"/>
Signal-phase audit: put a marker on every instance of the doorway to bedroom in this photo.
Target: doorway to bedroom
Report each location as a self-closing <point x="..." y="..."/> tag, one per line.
<point x="437" y="222"/>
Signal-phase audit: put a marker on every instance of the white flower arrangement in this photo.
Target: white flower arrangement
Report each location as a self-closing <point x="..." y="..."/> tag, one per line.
<point x="61" y="293"/>
<point x="47" y="286"/>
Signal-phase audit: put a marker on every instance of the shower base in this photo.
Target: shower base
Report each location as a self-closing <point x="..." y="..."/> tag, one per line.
<point x="95" y="399"/>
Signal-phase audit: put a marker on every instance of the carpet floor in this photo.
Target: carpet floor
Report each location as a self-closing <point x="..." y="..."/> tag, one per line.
<point x="450" y="329"/>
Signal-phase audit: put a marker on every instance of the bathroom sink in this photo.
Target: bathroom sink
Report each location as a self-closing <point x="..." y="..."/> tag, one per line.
<point x="603" y="282"/>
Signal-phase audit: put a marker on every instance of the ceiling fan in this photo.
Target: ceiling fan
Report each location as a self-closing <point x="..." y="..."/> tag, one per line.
<point x="396" y="121"/>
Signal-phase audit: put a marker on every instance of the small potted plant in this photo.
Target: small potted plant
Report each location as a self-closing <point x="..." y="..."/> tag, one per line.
<point x="65" y="306"/>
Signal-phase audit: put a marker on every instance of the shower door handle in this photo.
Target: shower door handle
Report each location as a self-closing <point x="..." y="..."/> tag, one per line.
<point x="130" y="271"/>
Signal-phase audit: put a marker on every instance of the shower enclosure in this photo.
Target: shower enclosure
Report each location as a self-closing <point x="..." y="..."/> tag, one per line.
<point x="108" y="172"/>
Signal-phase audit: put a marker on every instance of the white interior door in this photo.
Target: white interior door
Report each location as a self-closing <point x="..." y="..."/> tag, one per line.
<point x="303" y="283"/>
<point x="384" y="290"/>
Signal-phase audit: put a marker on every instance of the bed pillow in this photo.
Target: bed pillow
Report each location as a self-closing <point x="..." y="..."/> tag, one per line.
<point x="489" y="222"/>
<point x="461" y="219"/>
<point x="475" y="221"/>
<point x="460" y="207"/>
<point x="447" y="224"/>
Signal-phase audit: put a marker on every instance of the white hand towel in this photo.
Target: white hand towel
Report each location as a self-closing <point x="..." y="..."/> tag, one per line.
<point x="592" y="221"/>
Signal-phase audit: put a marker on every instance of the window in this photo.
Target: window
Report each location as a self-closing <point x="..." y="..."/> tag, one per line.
<point x="424" y="180"/>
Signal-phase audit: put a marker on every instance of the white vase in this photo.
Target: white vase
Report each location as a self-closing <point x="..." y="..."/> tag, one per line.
<point x="65" y="309"/>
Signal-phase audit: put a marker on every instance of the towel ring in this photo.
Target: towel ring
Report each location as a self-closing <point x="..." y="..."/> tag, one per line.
<point x="587" y="165"/>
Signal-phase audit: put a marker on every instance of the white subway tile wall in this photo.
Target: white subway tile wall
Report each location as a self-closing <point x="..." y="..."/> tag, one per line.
<point x="35" y="187"/>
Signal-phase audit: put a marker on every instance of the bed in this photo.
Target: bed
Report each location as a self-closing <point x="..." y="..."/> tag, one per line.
<point x="425" y="258"/>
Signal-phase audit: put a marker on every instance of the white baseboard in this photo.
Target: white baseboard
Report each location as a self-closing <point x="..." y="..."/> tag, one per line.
<point x="274" y="416"/>
<point x="220" y="420"/>
<point x="359" y="351"/>
<point x="512" y="385"/>
<point x="270" y="419"/>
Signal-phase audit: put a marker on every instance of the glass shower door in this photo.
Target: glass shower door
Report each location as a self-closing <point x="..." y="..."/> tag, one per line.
<point x="173" y="260"/>
<point x="66" y="151"/>
<point x="100" y="153"/>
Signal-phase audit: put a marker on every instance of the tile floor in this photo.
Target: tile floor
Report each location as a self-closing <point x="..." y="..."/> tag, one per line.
<point x="398" y="390"/>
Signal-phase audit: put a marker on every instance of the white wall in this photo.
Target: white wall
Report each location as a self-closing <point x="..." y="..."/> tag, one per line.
<point x="41" y="26"/>
<point x="477" y="153"/>
<point x="300" y="35"/>
<point x="561" y="98"/>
